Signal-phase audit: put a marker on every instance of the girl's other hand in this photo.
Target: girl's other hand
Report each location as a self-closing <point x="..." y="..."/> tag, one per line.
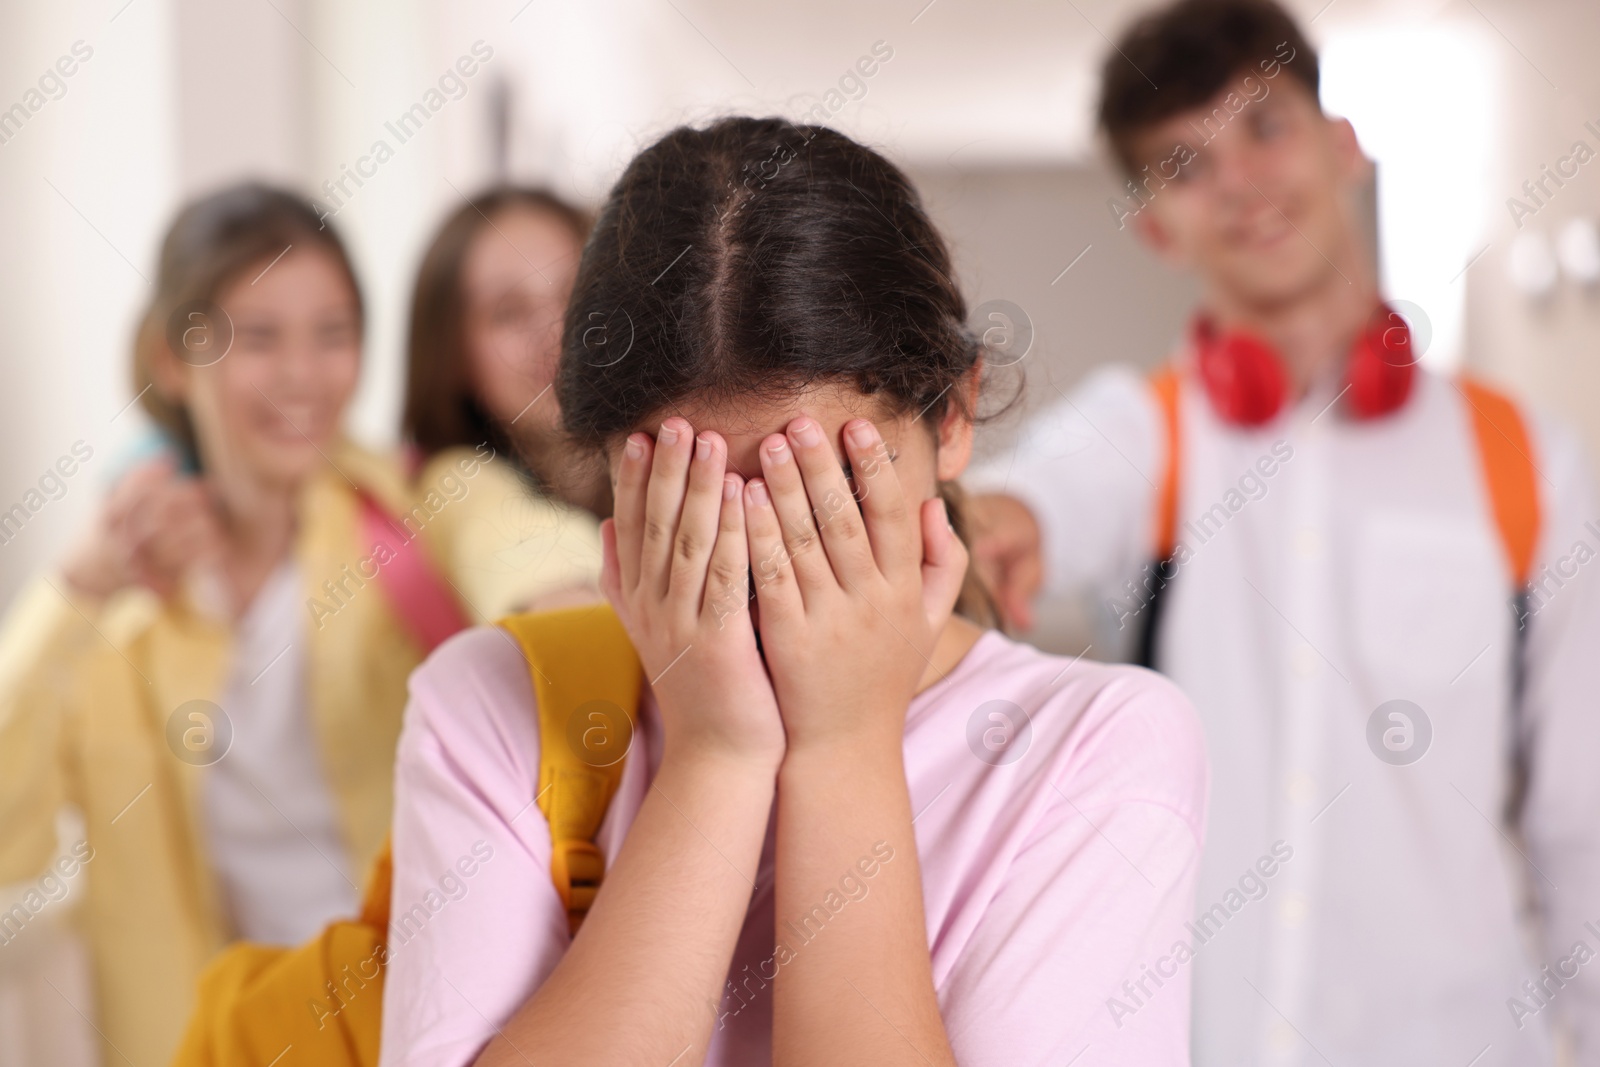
<point x="853" y="596"/>
<point x="676" y="569"/>
<point x="156" y="528"/>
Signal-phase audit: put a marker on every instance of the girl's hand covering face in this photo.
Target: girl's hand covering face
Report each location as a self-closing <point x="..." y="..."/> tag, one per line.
<point x="854" y="586"/>
<point x="676" y="570"/>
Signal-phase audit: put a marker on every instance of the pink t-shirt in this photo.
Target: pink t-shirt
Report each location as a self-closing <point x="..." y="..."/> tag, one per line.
<point x="1058" y="861"/>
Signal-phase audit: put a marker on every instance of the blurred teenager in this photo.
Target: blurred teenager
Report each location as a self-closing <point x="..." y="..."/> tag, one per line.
<point x="485" y="336"/>
<point x="215" y="674"/>
<point x="853" y="822"/>
<point x="1330" y="549"/>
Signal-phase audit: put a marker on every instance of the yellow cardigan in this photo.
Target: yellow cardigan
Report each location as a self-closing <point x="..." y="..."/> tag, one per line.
<point x="504" y="547"/>
<point x="85" y="699"/>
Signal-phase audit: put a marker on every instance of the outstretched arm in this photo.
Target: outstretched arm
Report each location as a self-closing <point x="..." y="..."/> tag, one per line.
<point x="1066" y="511"/>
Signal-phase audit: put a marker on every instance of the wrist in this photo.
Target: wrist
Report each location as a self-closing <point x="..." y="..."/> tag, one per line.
<point x="844" y="756"/>
<point x="702" y="759"/>
<point x="873" y="726"/>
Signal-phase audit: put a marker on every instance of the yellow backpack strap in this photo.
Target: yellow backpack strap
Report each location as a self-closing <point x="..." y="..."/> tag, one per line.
<point x="319" y="1004"/>
<point x="586" y="682"/>
<point x="1506" y="452"/>
<point x="1164" y="384"/>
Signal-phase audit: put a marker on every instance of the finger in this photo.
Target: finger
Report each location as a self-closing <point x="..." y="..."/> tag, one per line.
<point x="944" y="562"/>
<point x="610" y="568"/>
<point x="143" y="522"/>
<point x="142" y="488"/>
<point x="633" y="474"/>
<point x="152" y="572"/>
<point x="992" y="545"/>
<point x="728" y="576"/>
<point x="697" y="525"/>
<point x="191" y="540"/>
<point x="167" y="544"/>
<point x="663" y="501"/>
<point x="184" y="526"/>
<point x="798" y="529"/>
<point x="188" y="503"/>
<point x="1024" y="578"/>
<point x="1007" y="602"/>
<point x="891" y="526"/>
<point x="140" y="480"/>
<point x="833" y="504"/>
<point x="770" y="565"/>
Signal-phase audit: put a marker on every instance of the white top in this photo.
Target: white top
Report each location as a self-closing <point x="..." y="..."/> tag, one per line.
<point x="271" y="825"/>
<point x="1364" y="568"/>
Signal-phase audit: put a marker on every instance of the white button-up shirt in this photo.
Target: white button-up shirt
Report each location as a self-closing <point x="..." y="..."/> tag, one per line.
<point x="1335" y="566"/>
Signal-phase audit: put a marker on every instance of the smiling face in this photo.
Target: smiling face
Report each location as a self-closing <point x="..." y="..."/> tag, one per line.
<point x="273" y="405"/>
<point x="516" y="279"/>
<point x="1259" y="191"/>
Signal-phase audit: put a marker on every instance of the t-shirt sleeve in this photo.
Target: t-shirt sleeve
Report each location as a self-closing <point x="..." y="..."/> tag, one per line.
<point x="476" y="925"/>
<point x="1075" y="959"/>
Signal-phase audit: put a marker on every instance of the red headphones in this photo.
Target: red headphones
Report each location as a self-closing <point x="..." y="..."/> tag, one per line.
<point x="1244" y="376"/>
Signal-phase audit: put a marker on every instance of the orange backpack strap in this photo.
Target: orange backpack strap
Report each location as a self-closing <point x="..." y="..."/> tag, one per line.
<point x="1164" y="384"/>
<point x="1506" y="451"/>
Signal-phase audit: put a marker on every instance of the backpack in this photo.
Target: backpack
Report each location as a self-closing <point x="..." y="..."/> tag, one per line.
<point x="324" y="999"/>
<point x="1504" y="452"/>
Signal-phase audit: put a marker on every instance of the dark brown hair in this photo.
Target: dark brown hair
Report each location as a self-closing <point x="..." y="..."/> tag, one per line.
<point x="1178" y="57"/>
<point x="757" y="257"/>
<point x="212" y="243"/>
<point x="441" y="410"/>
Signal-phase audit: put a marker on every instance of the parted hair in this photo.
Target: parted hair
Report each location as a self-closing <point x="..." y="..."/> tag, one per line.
<point x="754" y="257"/>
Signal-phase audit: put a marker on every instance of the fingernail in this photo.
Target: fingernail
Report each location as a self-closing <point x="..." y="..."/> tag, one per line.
<point x="805" y="433"/>
<point x="635" y="447"/>
<point x="778" y="451"/>
<point x="702" y="448"/>
<point x="758" y="493"/>
<point x="668" y="434"/>
<point x="863" y="434"/>
<point x="730" y="486"/>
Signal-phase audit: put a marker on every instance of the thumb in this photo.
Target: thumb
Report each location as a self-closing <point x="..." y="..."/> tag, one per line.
<point x="944" y="562"/>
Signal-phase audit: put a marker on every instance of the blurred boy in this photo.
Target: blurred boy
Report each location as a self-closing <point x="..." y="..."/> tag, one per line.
<point x="1371" y="580"/>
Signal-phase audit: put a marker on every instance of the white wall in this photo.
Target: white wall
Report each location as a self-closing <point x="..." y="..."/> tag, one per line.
<point x="85" y="188"/>
<point x="1546" y="348"/>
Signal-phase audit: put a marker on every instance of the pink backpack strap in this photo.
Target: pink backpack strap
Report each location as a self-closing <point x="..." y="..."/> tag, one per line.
<point x="425" y="603"/>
